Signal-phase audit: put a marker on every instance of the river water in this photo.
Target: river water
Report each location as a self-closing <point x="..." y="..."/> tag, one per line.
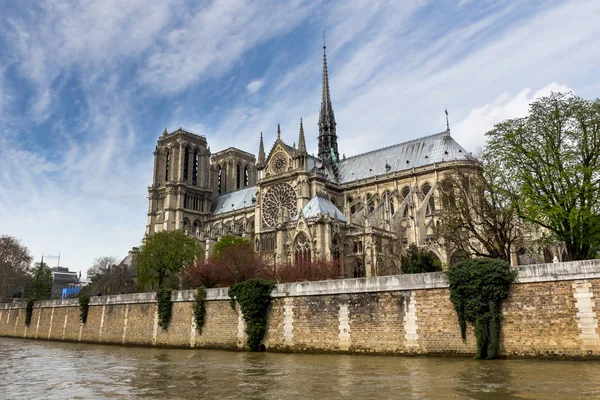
<point x="52" y="370"/>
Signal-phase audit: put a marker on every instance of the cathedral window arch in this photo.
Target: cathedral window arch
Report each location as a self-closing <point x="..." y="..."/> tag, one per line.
<point x="448" y="197"/>
<point x="195" y="168"/>
<point x="186" y="159"/>
<point x="335" y="252"/>
<point x="238" y="177"/>
<point x="350" y="202"/>
<point x="302" y="253"/>
<point x="406" y="200"/>
<point x="246" y="176"/>
<point x="167" y="164"/>
<point x="219" y="178"/>
<point x="430" y="209"/>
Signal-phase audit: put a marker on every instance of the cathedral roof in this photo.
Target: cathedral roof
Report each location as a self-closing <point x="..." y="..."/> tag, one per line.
<point x="234" y="201"/>
<point x="416" y="153"/>
<point x="320" y="205"/>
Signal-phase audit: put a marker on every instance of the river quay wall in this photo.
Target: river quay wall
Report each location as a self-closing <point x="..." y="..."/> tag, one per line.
<point x="552" y="311"/>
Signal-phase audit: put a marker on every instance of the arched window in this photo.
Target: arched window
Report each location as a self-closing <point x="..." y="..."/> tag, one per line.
<point x="448" y="198"/>
<point x="335" y="252"/>
<point x="387" y="197"/>
<point x="302" y="250"/>
<point x="167" y="162"/>
<point x="370" y="203"/>
<point x="219" y="178"/>
<point x="186" y="159"/>
<point x="195" y="168"/>
<point x="246" y="177"/>
<point x="352" y="205"/>
<point x="358" y="269"/>
<point x="238" y="177"/>
<point x="431" y="203"/>
<point x="405" y="197"/>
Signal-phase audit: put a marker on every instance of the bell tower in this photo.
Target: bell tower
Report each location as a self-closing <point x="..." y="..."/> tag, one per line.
<point x="180" y="194"/>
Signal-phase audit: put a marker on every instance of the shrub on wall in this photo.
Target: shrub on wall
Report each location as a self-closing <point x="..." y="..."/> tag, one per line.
<point x="29" y="311"/>
<point x="84" y="305"/>
<point x="254" y="297"/>
<point x="477" y="289"/>
<point x="164" y="305"/>
<point x="200" y="308"/>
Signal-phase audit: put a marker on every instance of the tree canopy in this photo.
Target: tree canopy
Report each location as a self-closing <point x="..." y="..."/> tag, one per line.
<point x="478" y="216"/>
<point x="107" y="277"/>
<point x="15" y="260"/>
<point x="41" y="280"/>
<point x="549" y="163"/>
<point x="164" y="255"/>
<point x="416" y="260"/>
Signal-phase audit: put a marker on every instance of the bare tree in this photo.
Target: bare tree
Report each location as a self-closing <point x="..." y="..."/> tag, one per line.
<point x="478" y="217"/>
<point x="107" y="277"/>
<point x="15" y="260"/>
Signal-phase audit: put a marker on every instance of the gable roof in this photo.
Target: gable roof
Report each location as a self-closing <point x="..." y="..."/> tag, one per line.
<point x="234" y="201"/>
<point x="416" y="153"/>
<point x="320" y="205"/>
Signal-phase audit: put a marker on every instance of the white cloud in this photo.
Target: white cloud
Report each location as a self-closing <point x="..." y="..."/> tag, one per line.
<point x="206" y="43"/>
<point x="480" y="120"/>
<point x="255" y="86"/>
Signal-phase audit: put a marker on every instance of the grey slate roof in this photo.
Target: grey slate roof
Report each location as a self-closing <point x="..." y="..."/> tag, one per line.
<point x="320" y="204"/>
<point x="403" y="156"/>
<point x="233" y="201"/>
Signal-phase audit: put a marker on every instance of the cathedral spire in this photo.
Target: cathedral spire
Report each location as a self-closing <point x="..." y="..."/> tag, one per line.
<point x="328" y="149"/>
<point x="261" y="153"/>
<point x="278" y="132"/>
<point x="301" y="139"/>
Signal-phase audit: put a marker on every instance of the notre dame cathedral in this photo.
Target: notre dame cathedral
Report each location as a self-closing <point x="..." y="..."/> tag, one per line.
<point x="359" y="212"/>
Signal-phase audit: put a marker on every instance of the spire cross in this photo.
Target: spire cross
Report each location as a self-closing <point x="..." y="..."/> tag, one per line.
<point x="324" y="45"/>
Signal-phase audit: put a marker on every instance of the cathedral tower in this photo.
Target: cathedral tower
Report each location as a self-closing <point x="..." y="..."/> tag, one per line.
<point x="180" y="195"/>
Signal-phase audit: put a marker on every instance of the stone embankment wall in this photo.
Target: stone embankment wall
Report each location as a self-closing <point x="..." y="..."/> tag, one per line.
<point x="552" y="310"/>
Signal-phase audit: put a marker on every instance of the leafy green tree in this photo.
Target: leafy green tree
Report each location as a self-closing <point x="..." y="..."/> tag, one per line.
<point x="164" y="255"/>
<point x="41" y="280"/>
<point x="228" y="241"/>
<point x="415" y="261"/>
<point x="550" y="166"/>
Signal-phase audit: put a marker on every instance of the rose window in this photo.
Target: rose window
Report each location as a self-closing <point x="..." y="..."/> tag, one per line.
<point x="279" y="163"/>
<point x="278" y="202"/>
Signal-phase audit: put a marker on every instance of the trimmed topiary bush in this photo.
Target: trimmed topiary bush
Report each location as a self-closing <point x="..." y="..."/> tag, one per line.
<point x="477" y="289"/>
<point x="254" y="297"/>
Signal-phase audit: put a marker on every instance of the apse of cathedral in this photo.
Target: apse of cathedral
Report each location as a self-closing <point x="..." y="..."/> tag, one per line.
<point x="359" y="212"/>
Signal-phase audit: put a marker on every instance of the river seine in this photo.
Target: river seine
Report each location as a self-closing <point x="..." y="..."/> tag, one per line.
<point x="52" y="370"/>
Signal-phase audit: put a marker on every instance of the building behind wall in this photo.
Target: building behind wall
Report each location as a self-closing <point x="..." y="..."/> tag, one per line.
<point x="358" y="211"/>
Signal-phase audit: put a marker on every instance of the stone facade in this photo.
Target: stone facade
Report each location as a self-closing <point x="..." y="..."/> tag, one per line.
<point x="552" y="311"/>
<point x="359" y="212"/>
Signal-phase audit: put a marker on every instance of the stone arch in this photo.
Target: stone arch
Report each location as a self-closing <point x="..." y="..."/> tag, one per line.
<point x="358" y="269"/>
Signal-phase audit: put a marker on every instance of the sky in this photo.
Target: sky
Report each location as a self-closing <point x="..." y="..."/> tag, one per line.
<point x="86" y="88"/>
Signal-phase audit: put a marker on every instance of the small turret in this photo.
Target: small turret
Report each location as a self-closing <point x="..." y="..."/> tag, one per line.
<point x="260" y="163"/>
<point x="301" y="139"/>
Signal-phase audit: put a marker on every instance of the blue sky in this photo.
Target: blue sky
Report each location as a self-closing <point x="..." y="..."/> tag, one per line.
<point x="87" y="87"/>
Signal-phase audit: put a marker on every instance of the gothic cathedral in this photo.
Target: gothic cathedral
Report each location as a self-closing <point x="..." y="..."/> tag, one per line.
<point x="359" y="212"/>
